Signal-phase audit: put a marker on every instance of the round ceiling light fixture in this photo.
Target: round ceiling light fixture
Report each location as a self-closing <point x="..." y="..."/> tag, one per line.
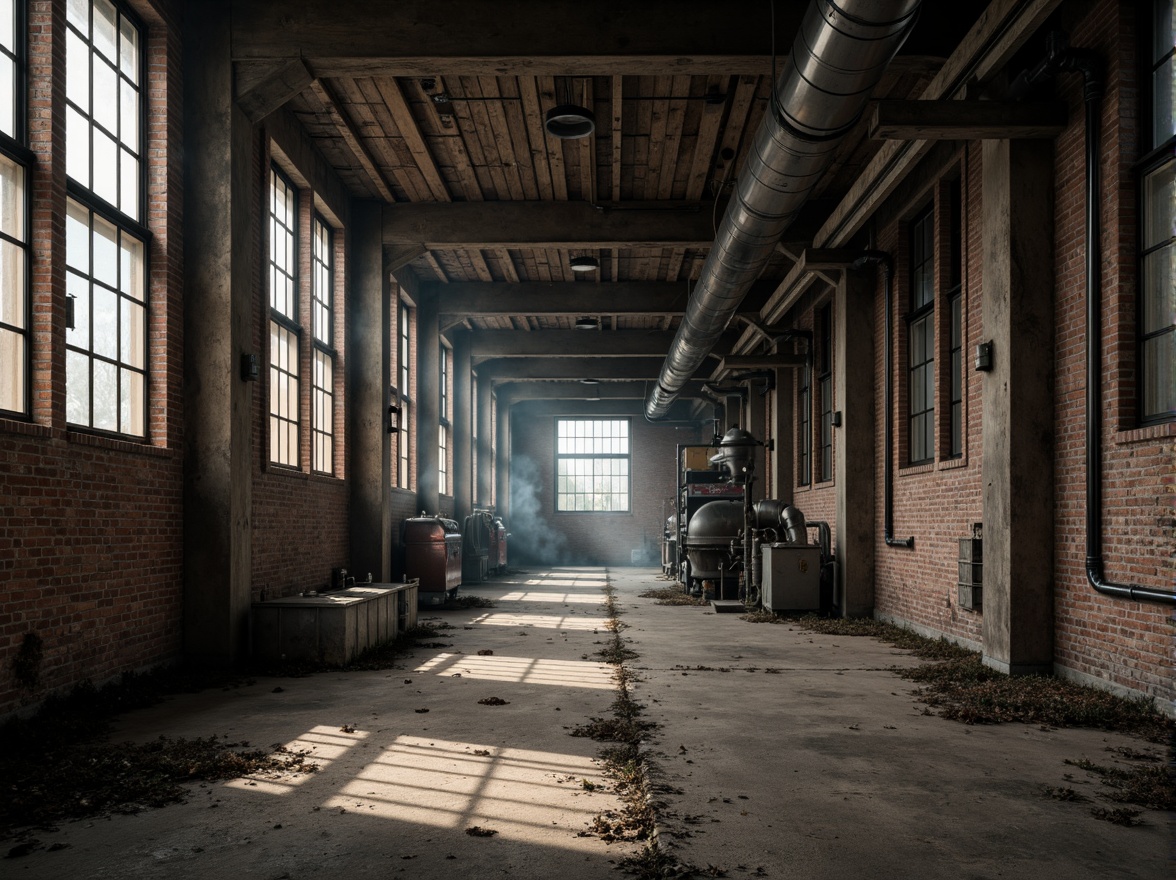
<point x="568" y="122"/>
<point x="589" y="381"/>
<point x="584" y="264"/>
<point x="587" y="323"/>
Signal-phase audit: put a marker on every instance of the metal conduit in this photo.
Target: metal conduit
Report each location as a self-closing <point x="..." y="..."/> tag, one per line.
<point x="839" y="56"/>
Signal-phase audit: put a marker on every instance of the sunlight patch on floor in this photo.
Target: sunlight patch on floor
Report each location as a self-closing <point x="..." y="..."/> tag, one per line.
<point x="544" y="621"/>
<point x="523" y="670"/>
<point x="323" y="746"/>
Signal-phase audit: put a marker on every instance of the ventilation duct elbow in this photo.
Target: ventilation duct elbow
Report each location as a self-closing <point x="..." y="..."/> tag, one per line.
<point x="839" y="55"/>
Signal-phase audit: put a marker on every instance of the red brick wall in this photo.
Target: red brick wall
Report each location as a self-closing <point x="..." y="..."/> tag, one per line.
<point x="1127" y="643"/>
<point x="91" y="528"/>
<point x="538" y="533"/>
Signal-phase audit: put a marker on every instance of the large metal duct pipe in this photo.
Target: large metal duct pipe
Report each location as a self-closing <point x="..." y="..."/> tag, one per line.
<point x="840" y="54"/>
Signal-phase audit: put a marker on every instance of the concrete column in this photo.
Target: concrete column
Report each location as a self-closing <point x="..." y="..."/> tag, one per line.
<point x="219" y="270"/>
<point x="369" y="321"/>
<point x="502" y="461"/>
<point x="485" y="451"/>
<point x="1018" y="406"/>
<point x="853" y="442"/>
<point x="428" y="402"/>
<point x="784" y="433"/>
<point x="462" y="426"/>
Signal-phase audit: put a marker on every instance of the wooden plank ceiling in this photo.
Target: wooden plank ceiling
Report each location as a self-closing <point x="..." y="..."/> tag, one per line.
<point x="444" y="102"/>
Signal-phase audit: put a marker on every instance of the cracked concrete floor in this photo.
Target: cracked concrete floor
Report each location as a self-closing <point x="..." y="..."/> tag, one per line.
<point x="409" y="760"/>
<point x="788" y="754"/>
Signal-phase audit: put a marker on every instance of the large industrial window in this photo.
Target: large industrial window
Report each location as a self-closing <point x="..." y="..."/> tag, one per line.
<point x="592" y="465"/>
<point x="284" y="328"/>
<point x="956" y="321"/>
<point x="403" y="397"/>
<point x="443" y="433"/>
<point x="921" y="339"/>
<point x="825" y="321"/>
<point x="805" y="441"/>
<point x="106" y="318"/>
<point x="1157" y="307"/>
<point x="322" y="405"/>
<point x="14" y="306"/>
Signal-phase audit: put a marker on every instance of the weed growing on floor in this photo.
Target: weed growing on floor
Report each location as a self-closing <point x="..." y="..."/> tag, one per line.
<point x="667" y="596"/>
<point x="1152" y="786"/>
<point x="470" y="602"/>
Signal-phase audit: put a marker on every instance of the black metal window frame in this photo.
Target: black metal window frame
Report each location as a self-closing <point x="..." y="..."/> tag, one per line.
<point x="825" y="384"/>
<point x="602" y="450"/>
<point x="322" y="410"/>
<point x="285" y="401"/>
<point x="404" y="396"/>
<point x="90" y="295"/>
<point x="955" y="305"/>
<point x="15" y="320"/>
<point x="443" y="429"/>
<point x="805" y="442"/>
<point x="1156" y="332"/>
<point x="921" y="339"/>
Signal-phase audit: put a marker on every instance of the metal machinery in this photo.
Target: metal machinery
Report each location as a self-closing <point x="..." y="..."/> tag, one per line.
<point x="478" y="544"/>
<point x="751" y="552"/>
<point x="432" y="553"/>
<point x="498" y="536"/>
<point x="699" y="483"/>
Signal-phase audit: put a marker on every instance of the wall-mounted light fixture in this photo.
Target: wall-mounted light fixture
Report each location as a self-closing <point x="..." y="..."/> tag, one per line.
<point x="393" y="418"/>
<point x="250" y="368"/>
<point x="984" y="357"/>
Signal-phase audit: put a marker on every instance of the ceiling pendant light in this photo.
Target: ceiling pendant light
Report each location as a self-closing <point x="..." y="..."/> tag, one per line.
<point x="587" y="323"/>
<point x="584" y="264"/>
<point x="569" y="121"/>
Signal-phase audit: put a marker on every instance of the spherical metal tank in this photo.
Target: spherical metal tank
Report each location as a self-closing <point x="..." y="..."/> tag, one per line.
<point x="708" y="537"/>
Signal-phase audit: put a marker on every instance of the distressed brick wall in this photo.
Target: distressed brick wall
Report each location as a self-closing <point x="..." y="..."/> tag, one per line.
<point x="90" y="526"/>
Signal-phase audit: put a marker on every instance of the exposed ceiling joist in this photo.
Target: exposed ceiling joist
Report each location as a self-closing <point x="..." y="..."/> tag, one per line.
<point x="464" y="225"/>
<point x="354" y="139"/>
<point x="271" y="86"/>
<point x="556" y="390"/>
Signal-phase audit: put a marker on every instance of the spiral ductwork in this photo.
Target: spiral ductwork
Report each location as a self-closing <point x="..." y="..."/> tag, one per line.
<point x="839" y="56"/>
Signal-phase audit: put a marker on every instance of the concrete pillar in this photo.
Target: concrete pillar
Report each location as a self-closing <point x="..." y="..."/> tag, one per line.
<point x="428" y="402"/>
<point x="485" y="451"/>
<point x="462" y="426"/>
<point x="369" y="320"/>
<point x="853" y="442"/>
<point x="1017" y="457"/>
<point x="502" y="461"/>
<point x="219" y="270"/>
<point x="784" y="435"/>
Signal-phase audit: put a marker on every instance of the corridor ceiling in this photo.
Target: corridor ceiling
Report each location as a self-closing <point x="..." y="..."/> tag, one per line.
<point x="437" y="107"/>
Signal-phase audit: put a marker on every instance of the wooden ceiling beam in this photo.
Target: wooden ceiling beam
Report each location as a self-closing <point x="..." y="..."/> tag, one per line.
<point x="966" y="120"/>
<point x="462" y="225"/>
<point x="272" y="85"/>
<point x="540" y="368"/>
<point x="486" y="344"/>
<point x="474" y="299"/>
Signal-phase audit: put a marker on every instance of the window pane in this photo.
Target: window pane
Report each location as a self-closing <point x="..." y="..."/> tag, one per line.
<point x="128" y="115"/>
<point x="131" y="402"/>
<point x="105" y="252"/>
<point x="1159" y="286"/>
<point x="77" y="388"/>
<point x="1165" y="28"/>
<point x="77" y="237"/>
<point x="105" y="183"/>
<point x="77" y="147"/>
<point x="78" y="14"/>
<point x="12" y="284"/>
<point x="1164" y="123"/>
<point x="133" y="341"/>
<point x="128" y="195"/>
<point x="105" y="322"/>
<point x="7" y="23"/>
<point x="105" y="19"/>
<point x="105" y="94"/>
<point x="77" y="71"/>
<point x="1159" y="377"/>
<point x="12" y="367"/>
<point x="132" y="271"/>
<point x="7" y="96"/>
<point x="12" y="198"/>
<point x="129" y="51"/>
<point x="1159" y="194"/>
<point x="79" y="288"/>
<point x="105" y="396"/>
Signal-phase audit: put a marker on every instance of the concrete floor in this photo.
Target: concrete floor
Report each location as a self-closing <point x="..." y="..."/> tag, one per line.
<point x="789" y="755"/>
